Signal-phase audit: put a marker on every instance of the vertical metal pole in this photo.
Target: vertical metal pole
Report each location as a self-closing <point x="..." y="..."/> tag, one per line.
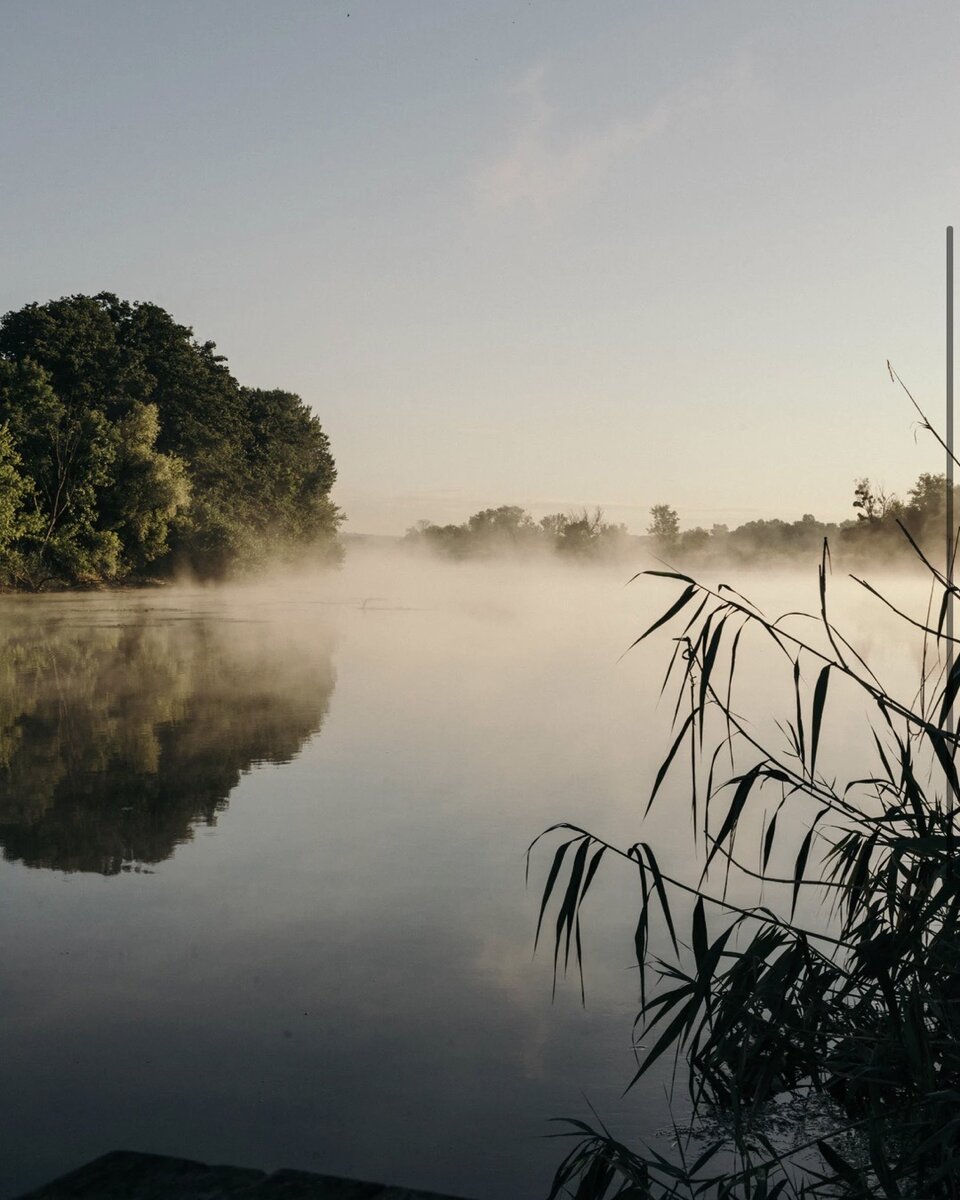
<point x="950" y="526"/>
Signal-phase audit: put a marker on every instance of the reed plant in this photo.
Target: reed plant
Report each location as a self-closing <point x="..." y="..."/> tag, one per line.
<point x="836" y="989"/>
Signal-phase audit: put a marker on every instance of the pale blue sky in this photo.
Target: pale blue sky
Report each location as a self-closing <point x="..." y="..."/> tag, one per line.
<point x="544" y="253"/>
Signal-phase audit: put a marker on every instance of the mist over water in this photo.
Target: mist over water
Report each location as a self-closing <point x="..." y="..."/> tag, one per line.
<point x="262" y="898"/>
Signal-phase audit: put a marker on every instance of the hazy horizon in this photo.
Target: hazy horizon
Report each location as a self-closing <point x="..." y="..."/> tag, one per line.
<point x="543" y="254"/>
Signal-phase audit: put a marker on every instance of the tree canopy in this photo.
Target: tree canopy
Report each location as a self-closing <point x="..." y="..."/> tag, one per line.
<point x="127" y="447"/>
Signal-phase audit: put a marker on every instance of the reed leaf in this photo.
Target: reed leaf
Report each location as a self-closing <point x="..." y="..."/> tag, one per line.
<point x="860" y="1010"/>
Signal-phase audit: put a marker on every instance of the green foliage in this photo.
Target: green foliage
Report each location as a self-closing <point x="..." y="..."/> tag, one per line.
<point x="139" y="449"/>
<point x="66" y="454"/>
<point x="147" y="490"/>
<point x="839" y="987"/>
<point x="19" y="522"/>
<point x="289" y="465"/>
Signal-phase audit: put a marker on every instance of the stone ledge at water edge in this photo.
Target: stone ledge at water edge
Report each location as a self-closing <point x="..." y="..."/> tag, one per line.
<point x="127" y="1175"/>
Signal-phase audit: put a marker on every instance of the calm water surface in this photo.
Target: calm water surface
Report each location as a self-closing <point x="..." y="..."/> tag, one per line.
<point x="262" y="895"/>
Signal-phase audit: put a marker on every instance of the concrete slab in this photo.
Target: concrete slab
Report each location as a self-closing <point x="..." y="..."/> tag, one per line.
<point x="129" y="1175"/>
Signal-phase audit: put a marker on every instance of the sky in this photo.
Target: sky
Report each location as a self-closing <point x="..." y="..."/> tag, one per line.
<point x="541" y="252"/>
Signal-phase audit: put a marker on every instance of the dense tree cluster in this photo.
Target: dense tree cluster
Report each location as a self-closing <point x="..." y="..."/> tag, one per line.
<point x="127" y="448"/>
<point x="509" y="529"/>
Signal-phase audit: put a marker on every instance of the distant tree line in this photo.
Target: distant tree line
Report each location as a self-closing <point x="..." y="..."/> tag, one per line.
<point x="880" y="528"/>
<point x="509" y="529"/>
<point x="127" y="450"/>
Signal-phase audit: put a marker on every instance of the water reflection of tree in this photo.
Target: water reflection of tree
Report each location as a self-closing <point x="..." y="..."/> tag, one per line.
<point x="116" y="740"/>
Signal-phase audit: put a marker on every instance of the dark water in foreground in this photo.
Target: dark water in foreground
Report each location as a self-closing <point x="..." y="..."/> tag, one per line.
<point x="261" y="897"/>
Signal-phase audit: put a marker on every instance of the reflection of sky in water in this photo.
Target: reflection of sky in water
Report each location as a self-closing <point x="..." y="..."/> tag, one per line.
<point x="336" y="975"/>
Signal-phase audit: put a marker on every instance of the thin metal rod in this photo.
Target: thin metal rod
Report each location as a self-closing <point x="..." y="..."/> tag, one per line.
<point x="950" y="526"/>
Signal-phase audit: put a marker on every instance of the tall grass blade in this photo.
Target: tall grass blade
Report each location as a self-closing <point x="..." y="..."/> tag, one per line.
<point x="819" y="702"/>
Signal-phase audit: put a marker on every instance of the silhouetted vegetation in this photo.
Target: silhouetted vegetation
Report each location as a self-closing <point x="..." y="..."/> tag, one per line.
<point x="837" y="987"/>
<point x="128" y="448"/>
<point x="117" y="738"/>
<point x="510" y="530"/>
<point x="874" y="533"/>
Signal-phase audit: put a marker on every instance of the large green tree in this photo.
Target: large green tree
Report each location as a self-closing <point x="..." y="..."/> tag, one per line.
<point x="138" y="448"/>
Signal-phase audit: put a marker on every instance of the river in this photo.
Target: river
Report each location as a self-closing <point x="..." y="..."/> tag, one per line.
<point x="262" y="893"/>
